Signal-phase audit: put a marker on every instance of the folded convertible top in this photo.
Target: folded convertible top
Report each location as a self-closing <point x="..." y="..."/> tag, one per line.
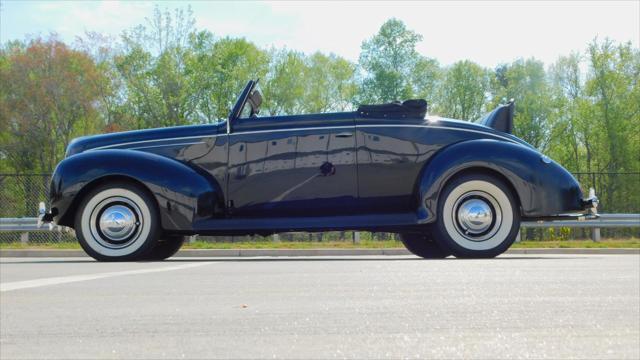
<point x="414" y="108"/>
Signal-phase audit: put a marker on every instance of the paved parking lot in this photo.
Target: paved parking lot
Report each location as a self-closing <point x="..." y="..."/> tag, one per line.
<point x="516" y="306"/>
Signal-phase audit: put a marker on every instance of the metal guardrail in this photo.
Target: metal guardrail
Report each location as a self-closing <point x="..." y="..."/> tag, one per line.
<point x="603" y="221"/>
<point x="27" y="224"/>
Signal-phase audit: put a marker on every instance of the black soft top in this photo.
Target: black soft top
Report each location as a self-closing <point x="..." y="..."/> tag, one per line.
<point x="414" y="108"/>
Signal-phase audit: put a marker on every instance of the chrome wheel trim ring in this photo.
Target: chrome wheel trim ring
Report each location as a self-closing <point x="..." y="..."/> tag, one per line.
<point x="497" y="234"/>
<point x="116" y="222"/>
<point x="478" y="215"/>
<point x="92" y="238"/>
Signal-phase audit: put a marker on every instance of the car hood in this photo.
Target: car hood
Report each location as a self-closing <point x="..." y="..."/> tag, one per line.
<point x="85" y="143"/>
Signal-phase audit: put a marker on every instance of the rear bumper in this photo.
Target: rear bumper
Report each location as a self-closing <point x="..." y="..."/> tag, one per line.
<point x="589" y="206"/>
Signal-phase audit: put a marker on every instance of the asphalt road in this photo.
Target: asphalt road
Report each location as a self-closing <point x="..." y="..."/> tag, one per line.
<point x="527" y="306"/>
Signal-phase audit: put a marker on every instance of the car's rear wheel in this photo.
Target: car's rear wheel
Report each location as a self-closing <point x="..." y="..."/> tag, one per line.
<point x="478" y="217"/>
<point x="117" y="222"/>
<point x="166" y="247"/>
<point x="422" y="245"/>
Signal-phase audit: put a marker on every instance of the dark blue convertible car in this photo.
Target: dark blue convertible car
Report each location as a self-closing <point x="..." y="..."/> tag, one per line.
<point x="447" y="187"/>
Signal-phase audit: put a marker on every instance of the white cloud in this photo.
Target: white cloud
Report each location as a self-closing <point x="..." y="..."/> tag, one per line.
<point x="108" y="17"/>
<point x="72" y="19"/>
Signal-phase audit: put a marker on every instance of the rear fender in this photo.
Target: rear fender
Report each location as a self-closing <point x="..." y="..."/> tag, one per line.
<point x="183" y="193"/>
<point x="543" y="188"/>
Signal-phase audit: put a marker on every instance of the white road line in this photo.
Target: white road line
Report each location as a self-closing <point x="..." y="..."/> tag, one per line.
<point x="18" y="285"/>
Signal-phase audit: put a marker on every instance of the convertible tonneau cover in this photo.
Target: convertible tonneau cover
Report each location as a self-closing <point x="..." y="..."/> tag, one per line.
<point x="414" y="108"/>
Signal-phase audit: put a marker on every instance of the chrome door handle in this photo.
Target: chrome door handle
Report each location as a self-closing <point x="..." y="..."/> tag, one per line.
<point x="345" y="134"/>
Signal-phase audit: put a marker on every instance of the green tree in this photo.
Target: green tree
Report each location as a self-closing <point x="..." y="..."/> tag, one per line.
<point x="154" y="72"/>
<point x="330" y="84"/>
<point x="597" y="122"/>
<point x="572" y="132"/>
<point x="218" y="70"/>
<point x="612" y="87"/>
<point x="463" y="92"/>
<point x="112" y="97"/>
<point x="285" y="87"/>
<point x="526" y="82"/>
<point x="426" y="79"/>
<point x="388" y="60"/>
<point x="48" y="97"/>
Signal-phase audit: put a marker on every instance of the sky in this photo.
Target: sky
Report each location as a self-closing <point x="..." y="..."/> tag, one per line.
<point x="486" y="32"/>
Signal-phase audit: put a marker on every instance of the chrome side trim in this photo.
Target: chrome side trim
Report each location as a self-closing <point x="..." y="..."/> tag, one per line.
<point x="154" y="140"/>
<point x="295" y="129"/>
<point x="442" y="128"/>
<point x="164" y="145"/>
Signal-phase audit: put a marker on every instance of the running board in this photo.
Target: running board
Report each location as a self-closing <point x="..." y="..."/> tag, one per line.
<point x="379" y="222"/>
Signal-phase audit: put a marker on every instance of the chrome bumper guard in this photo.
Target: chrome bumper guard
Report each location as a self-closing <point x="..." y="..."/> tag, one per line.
<point x="44" y="217"/>
<point x="591" y="204"/>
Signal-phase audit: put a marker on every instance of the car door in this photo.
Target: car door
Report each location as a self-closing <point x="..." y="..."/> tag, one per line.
<point x="391" y="155"/>
<point x="302" y="165"/>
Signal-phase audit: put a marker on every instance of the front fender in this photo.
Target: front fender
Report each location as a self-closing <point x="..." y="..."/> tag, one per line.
<point x="184" y="194"/>
<point x="543" y="188"/>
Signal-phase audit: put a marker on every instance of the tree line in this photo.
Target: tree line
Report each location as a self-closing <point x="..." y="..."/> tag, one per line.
<point x="583" y="110"/>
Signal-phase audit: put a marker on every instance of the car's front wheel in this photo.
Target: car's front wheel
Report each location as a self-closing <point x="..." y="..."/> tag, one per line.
<point x="478" y="217"/>
<point x="117" y="222"/>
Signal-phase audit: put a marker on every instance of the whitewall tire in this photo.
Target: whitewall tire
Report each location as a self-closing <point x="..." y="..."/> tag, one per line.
<point x="478" y="216"/>
<point x="117" y="222"/>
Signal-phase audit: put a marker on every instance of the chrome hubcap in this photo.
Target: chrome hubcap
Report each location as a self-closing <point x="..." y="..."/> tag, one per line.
<point x="475" y="216"/>
<point x="117" y="222"/>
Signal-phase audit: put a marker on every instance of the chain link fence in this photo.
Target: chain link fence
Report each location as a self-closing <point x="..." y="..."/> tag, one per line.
<point x="20" y="195"/>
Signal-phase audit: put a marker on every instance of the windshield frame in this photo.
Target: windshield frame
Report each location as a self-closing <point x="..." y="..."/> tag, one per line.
<point x="254" y="100"/>
<point x="242" y="99"/>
